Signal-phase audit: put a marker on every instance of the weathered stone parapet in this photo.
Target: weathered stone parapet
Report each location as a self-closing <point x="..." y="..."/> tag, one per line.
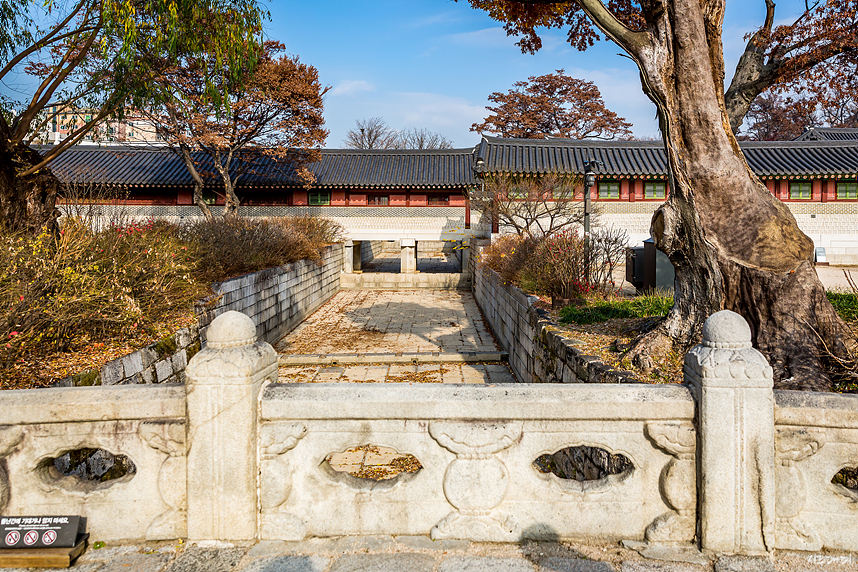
<point x="142" y="423"/>
<point x="224" y="381"/>
<point x="736" y="455"/>
<point x="477" y="447"/>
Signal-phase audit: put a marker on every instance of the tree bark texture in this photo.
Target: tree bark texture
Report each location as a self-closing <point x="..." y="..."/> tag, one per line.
<point x="733" y="244"/>
<point x="27" y="203"/>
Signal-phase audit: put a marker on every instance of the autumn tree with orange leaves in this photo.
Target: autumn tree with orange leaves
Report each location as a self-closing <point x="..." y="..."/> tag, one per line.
<point x="787" y="58"/>
<point x="733" y="244"/>
<point x="552" y="105"/>
<point x="272" y="120"/>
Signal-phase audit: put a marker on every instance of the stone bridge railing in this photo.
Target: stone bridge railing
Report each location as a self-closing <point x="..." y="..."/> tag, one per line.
<point x="723" y="463"/>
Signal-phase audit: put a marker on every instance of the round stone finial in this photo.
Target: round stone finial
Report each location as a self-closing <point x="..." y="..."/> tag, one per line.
<point x="231" y="330"/>
<point x="726" y="329"/>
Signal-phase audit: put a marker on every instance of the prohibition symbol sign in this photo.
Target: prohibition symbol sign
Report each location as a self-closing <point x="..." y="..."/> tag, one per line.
<point x="31" y="537"/>
<point x="48" y="537"/>
<point x="12" y="538"/>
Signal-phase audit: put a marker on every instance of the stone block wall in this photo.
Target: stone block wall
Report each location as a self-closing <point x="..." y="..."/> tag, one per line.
<point x="369" y="249"/>
<point x="539" y="352"/>
<point x="512" y="320"/>
<point x="277" y="299"/>
<point x="163" y="361"/>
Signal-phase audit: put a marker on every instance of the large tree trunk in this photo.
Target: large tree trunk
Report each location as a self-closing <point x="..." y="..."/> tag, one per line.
<point x="734" y="245"/>
<point x="27" y="204"/>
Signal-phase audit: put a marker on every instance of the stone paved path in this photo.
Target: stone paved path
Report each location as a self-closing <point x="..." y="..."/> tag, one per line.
<point x="393" y="373"/>
<point x="385" y="321"/>
<point x="420" y="554"/>
<point x="430" y="263"/>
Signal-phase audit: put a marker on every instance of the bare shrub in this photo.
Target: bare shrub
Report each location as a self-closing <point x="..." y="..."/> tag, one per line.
<point x="607" y="251"/>
<point x="84" y="284"/>
<point x="557" y="267"/>
<point x="559" y="264"/>
<point x="232" y="246"/>
<point x="319" y="231"/>
<point x="507" y="255"/>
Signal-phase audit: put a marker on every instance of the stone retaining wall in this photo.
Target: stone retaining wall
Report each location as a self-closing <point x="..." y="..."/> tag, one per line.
<point x="163" y="361"/>
<point x="539" y="352"/>
<point x="277" y="299"/>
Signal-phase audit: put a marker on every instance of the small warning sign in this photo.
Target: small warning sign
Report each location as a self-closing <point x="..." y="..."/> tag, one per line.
<point x="12" y="538"/>
<point x="31" y="537"/>
<point x="41" y="531"/>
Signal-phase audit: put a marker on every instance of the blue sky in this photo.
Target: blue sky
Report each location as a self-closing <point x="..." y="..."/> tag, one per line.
<point x="432" y="63"/>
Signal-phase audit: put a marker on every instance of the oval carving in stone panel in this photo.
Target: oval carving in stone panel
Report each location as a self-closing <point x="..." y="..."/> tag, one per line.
<point x="848" y="478"/>
<point x="86" y="469"/>
<point x="584" y="468"/>
<point x="371" y="465"/>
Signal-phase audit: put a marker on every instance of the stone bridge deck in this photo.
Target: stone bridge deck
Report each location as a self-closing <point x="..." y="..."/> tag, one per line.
<point x="428" y="336"/>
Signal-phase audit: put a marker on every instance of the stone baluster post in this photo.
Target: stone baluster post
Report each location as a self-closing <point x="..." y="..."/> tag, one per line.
<point x="223" y="384"/>
<point x="352" y="257"/>
<point x="732" y="383"/>
<point x="408" y="256"/>
<point x="349" y="257"/>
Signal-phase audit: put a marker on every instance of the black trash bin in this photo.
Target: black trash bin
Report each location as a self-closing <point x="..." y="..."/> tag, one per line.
<point x="647" y="268"/>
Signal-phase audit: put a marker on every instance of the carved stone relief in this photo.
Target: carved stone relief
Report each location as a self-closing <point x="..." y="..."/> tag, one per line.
<point x="677" y="483"/>
<point x="476" y="482"/>
<point x="11" y="437"/>
<point x="169" y="438"/>
<point x="276" y="481"/>
<point x="793" y="445"/>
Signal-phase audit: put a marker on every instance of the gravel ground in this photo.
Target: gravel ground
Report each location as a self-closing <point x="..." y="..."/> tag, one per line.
<point x="420" y="554"/>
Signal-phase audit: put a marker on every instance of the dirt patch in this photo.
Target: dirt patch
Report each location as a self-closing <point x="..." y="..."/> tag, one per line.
<point x="609" y="341"/>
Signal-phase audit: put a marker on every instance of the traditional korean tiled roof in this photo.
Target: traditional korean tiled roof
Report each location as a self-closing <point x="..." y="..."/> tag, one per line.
<point x="449" y="168"/>
<point x="648" y="159"/>
<point x="828" y="134"/>
<point x="158" y="167"/>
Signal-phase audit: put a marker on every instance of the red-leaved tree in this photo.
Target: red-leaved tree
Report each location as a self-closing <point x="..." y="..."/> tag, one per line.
<point x="272" y="119"/>
<point x="552" y="105"/>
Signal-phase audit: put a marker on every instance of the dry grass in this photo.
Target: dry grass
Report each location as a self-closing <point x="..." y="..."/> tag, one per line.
<point x="608" y="341"/>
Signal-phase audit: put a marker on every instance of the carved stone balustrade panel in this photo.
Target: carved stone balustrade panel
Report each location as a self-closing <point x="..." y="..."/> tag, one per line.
<point x="477" y="448"/>
<point x="817" y="436"/>
<point x="144" y="423"/>
<point x="146" y="504"/>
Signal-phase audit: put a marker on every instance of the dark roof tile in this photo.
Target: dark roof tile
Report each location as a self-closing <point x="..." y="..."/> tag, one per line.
<point x="647" y="158"/>
<point x="337" y="168"/>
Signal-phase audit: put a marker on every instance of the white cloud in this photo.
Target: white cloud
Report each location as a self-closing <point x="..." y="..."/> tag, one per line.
<point x="350" y="88"/>
<point x="485" y="38"/>
<point x="443" y="18"/>
<point x="451" y="116"/>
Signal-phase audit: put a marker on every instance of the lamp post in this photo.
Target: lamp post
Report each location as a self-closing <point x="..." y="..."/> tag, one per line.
<point x="479" y="171"/>
<point x="589" y="180"/>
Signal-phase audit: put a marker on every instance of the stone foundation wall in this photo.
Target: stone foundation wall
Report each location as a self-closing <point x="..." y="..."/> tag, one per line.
<point x="370" y="249"/>
<point x="163" y="361"/>
<point x="277" y="299"/>
<point x="539" y="352"/>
